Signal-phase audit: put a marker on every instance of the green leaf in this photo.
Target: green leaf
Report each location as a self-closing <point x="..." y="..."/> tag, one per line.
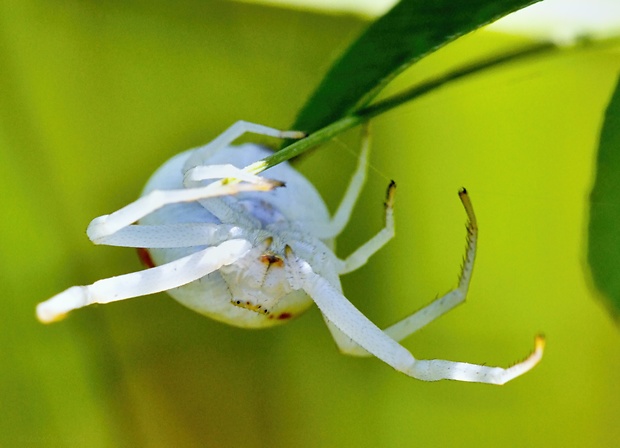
<point x="407" y="33"/>
<point x="604" y="226"/>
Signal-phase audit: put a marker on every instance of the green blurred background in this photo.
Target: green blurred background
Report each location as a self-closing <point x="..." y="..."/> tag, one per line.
<point x="96" y="95"/>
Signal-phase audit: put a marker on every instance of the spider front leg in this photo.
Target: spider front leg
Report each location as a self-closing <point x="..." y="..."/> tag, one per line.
<point x="157" y="279"/>
<point x="354" y="325"/>
<point x="101" y="228"/>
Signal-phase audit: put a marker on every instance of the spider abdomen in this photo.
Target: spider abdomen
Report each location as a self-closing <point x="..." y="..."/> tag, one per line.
<point x="254" y="291"/>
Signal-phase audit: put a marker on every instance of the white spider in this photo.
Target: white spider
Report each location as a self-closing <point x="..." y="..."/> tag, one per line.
<point x="253" y="255"/>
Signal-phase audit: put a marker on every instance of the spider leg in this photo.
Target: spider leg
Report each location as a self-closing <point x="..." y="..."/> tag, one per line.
<point x="343" y="315"/>
<point x="172" y="235"/>
<point x="343" y="213"/>
<point x="351" y="323"/>
<point x="361" y="255"/>
<point x="102" y="227"/>
<point x="230" y="135"/>
<point x="442" y="305"/>
<point x="438" y="369"/>
<point x="435" y="309"/>
<point x="204" y="172"/>
<point x="149" y="281"/>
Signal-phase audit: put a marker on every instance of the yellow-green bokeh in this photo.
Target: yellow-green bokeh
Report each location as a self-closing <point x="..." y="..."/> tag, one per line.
<point x="94" y="97"/>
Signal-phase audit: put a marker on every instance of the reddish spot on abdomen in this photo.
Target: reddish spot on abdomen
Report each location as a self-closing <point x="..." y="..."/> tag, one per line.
<point x="281" y="316"/>
<point x="145" y="257"/>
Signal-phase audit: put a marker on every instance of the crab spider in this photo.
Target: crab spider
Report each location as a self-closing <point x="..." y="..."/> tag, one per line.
<point x="253" y="255"/>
